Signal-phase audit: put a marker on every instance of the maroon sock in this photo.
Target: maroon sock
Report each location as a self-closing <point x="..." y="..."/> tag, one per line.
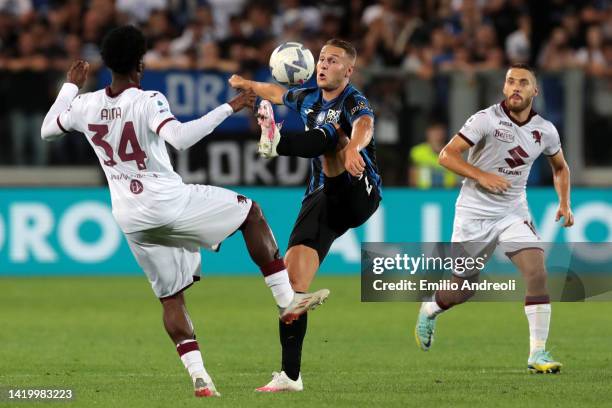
<point x="276" y="265"/>
<point x="537" y="300"/>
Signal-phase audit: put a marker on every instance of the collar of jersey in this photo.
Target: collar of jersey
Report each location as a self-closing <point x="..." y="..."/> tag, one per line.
<point x="110" y="93"/>
<point x="532" y="113"/>
<point x="327" y="104"/>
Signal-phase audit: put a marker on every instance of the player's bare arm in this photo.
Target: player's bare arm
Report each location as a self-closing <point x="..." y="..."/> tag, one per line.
<point x="271" y="92"/>
<point x="363" y="129"/>
<point x="561" y="180"/>
<point x="451" y="157"/>
<point x="77" y="73"/>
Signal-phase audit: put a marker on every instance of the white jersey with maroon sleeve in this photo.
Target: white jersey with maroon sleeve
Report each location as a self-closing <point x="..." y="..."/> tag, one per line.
<point x="123" y="130"/>
<point x="503" y="146"/>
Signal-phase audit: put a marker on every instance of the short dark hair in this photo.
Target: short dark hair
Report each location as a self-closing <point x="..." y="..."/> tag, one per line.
<point x="522" y="65"/>
<point x="123" y="49"/>
<point x="345" y="45"/>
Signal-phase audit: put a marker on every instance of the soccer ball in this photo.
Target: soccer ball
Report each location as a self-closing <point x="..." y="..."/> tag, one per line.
<point x="291" y="63"/>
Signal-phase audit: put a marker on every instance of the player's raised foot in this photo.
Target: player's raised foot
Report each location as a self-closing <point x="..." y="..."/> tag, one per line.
<point x="542" y="363"/>
<point x="270" y="130"/>
<point x="204" y="389"/>
<point x="282" y="383"/>
<point x="301" y="303"/>
<point x="424" y="330"/>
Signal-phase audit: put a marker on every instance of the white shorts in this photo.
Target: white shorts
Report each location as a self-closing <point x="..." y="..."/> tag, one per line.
<point x="170" y="255"/>
<point x="512" y="232"/>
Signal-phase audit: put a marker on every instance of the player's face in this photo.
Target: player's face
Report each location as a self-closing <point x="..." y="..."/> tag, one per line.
<point x="519" y="89"/>
<point x="333" y="68"/>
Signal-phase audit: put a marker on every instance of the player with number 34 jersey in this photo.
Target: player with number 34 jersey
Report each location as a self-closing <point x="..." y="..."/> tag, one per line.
<point x="146" y="192"/>
<point x="165" y="221"/>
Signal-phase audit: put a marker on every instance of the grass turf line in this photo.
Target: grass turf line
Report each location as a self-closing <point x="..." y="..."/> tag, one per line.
<point x="104" y="338"/>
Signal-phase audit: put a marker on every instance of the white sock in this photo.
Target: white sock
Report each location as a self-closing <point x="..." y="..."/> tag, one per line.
<point x="192" y="360"/>
<point x="432" y="309"/>
<point x="538" y="317"/>
<point x="281" y="287"/>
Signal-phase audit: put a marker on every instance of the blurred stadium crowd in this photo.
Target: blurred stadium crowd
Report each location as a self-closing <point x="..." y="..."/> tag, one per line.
<point x="40" y="38"/>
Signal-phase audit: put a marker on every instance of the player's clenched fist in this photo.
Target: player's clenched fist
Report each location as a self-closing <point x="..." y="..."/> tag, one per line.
<point x="238" y="82"/>
<point x="77" y="74"/>
<point x="353" y="162"/>
<point x="565" y="212"/>
<point x="493" y="182"/>
<point x="245" y="99"/>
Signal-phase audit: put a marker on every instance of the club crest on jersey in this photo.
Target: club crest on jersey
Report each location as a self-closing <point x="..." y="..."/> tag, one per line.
<point x="136" y="187"/>
<point x="320" y="118"/>
<point x="537" y="137"/>
<point x="504" y="135"/>
<point x="333" y="116"/>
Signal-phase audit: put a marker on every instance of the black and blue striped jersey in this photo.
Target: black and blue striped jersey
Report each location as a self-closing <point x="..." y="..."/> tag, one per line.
<point x="344" y="110"/>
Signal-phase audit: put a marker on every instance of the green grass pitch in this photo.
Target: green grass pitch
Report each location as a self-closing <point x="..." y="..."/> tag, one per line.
<point x="103" y="337"/>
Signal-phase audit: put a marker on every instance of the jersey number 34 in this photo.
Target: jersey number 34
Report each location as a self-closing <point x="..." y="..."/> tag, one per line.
<point x="128" y="137"/>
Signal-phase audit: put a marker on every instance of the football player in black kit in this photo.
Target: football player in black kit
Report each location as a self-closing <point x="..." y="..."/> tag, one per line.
<point x="344" y="188"/>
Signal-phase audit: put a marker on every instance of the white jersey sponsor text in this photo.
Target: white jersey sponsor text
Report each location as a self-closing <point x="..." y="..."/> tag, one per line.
<point x="502" y="146"/>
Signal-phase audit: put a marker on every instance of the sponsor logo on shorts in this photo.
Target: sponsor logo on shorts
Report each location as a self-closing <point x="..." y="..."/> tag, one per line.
<point x="241" y="199"/>
<point x="504" y="135"/>
<point x="136" y="187"/>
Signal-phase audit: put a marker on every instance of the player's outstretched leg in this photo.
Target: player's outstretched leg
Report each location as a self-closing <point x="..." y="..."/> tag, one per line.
<point x="264" y="252"/>
<point x="429" y="311"/>
<point x="530" y="262"/>
<point x="180" y="329"/>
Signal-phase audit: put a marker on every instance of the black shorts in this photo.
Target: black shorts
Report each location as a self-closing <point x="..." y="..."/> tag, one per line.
<point x="344" y="202"/>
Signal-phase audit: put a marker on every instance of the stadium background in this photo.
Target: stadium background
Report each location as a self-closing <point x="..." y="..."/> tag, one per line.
<point x="421" y="63"/>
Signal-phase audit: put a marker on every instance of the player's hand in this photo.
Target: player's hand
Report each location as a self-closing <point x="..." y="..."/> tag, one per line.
<point x="238" y="82"/>
<point x="353" y="162"/>
<point x="568" y="216"/>
<point x="77" y="74"/>
<point x="493" y="183"/>
<point x="245" y="99"/>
